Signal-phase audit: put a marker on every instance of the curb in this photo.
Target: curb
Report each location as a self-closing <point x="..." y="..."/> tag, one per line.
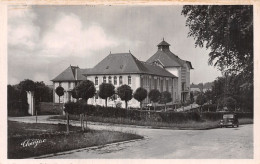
<point x="139" y="126"/>
<point x="82" y="149"/>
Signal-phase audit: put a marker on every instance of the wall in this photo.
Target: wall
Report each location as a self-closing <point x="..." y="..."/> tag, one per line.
<point x="66" y="95"/>
<point x="177" y="83"/>
<point x="135" y="83"/>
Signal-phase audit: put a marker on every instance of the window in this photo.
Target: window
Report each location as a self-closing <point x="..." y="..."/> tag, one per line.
<point x="167" y="85"/>
<point x="96" y="96"/>
<point x="129" y="80"/>
<point x="120" y="80"/>
<point x="69" y="85"/>
<point x="96" y="80"/>
<point x="59" y="83"/>
<point x="115" y="80"/>
<point x="104" y="79"/>
<point x="110" y="79"/>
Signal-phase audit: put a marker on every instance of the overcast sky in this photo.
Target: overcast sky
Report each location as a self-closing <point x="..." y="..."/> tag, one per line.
<point x="44" y="40"/>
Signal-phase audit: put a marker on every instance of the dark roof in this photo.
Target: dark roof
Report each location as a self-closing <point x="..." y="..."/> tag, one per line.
<point x="163" y="43"/>
<point x="126" y="63"/>
<point x="69" y="74"/>
<point x="168" y="59"/>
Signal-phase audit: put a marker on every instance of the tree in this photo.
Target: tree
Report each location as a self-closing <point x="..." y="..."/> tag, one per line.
<point x="140" y="94"/>
<point x="191" y="97"/>
<point x="106" y="90"/>
<point x="228" y="32"/>
<point x="85" y="90"/>
<point x="75" y="94"/>
<point x="165" y="98"/>
<point x="229" y="102"/>
<point x="26" y="85"/>
<point x="42" y="92"/>
<point x="125" y="93"/>
<point x="154" y="96"/>
<point x="201" y="99"/>
<point x="59" y="91"/>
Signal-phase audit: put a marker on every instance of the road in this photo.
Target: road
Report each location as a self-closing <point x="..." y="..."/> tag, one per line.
<point x="222" y="143"/>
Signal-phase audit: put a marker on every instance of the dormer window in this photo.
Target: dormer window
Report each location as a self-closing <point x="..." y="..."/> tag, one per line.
<point x="104" y="79"/>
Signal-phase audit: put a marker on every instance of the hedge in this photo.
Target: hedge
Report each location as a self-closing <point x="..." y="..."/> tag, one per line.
<point x="134" y="114"/>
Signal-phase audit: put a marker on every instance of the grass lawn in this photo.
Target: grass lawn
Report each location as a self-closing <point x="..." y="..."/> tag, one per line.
<point x="31" y="139"/>
<point x="189" y="125"/>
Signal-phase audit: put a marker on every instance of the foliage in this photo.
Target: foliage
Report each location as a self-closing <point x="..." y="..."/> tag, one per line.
<point x="191" y="97"/>
<point x="86" y="89"/>
<point x="125" y="93"/>
<point x="59" y="91"/>
<point x="140" y="94"/>
<point x="201" y="99"/>
<point x="229" y="102"/>
<point x="42" y="92"/>
<point x="154" y="95"/>
<point x="228" y="32"/>
<point x="27" y="85"/>
<point x="74" y="93"/>
<point x="106" y="90"/>
<point x="165" y="98"/>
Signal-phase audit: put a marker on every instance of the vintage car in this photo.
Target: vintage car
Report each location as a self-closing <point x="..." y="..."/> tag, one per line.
<point x="229" y="120"/>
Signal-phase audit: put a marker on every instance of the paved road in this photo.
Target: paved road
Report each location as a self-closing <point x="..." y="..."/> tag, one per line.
<point x="225" y="143"/>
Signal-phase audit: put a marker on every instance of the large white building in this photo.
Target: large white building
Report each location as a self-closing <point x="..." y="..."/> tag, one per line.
<point x="163" y="71"/>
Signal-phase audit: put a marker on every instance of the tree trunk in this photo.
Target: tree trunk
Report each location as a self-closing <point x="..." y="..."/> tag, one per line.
<point x="141" y="105"/>
<point x="125" y="105"/>
<point x="154" y="106"/>
<point x="106" y="102"/>
<point x="165" y="107"/>
<point x="59" y="99"/>
<point x="86" y="121"/>
<point x="67" y="114"/>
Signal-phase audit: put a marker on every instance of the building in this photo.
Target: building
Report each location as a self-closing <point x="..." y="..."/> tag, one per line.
<point x="68" y="79"/>
<point x="163" y="71"/>
<point x="178" y="67"/>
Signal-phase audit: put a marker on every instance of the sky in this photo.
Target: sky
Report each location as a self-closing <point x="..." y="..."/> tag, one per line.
<point x="45" y="40"/>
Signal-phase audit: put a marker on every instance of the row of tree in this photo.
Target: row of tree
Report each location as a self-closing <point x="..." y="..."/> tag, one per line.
<point x="86" y="90"/>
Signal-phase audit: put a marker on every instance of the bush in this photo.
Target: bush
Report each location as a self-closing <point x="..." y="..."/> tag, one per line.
<point x="134" y="114"/>
<point x="213" y="116"/>
<point x="178" y="117"/>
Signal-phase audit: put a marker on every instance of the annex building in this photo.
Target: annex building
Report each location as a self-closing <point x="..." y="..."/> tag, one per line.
<point x="163" y="71"/>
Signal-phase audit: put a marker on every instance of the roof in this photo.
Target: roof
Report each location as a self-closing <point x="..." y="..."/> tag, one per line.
<point x="163" y="43"/>
<point x="168" y="59"/>
<point x="70" y="74"/>
<point x="126" y="63"/>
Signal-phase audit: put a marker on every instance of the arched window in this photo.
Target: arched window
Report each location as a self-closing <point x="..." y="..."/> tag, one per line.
<point x="110" y="79"/>
<point x="120" y="80"/>
<point x="129" y="80"/>
<point x="96" y="80"/>
<point x="115" y="80"/>
<point x="104" y="79"/>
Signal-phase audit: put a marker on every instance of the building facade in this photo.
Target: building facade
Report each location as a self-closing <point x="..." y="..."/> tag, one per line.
<point x="161" y="72"/>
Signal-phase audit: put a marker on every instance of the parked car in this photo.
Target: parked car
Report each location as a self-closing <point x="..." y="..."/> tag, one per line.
<point x="229" y="120"/>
